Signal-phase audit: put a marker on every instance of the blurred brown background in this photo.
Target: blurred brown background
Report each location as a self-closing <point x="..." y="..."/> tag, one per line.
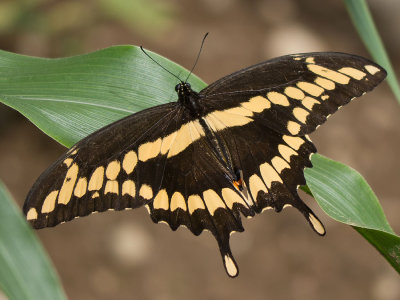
<point x="124" y="255"/>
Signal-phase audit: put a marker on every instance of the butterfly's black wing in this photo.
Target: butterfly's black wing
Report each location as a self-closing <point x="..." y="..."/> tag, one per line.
<point x="113" y="168"/>
<point x="159" y="158"/>
<point x="301" y="90"/>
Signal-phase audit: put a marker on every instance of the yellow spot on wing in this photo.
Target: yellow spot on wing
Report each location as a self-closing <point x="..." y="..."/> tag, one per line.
<point x="68" y="186"/>
<point x="230" y="266"/>
<point x="96" y="195"/>
<point x="237" y="111"/>
<point x="232" y="117"/>
<point x="214" y="123"/>
<point x="161" y="201"/>
<point x="196" y="131"/>
<point x="177" y="201"/>
<point x="279" y="164"/>
<point x="32" y="214"/>
<point x="293" y="141"/>
<point x="195" y="202"/>
<point x="113" y="169"/>
<point x="181" y="142"/>
<point x="149" y="150"/>
<point x="286" y="152"/>
<point x="278" y="98"/>
<point x="300" y="114"/>
<point x="96" y="180"/>
<point x="168" y="141"/>
<point x="111" y="187"/>
<point x="81" y="187"/>
<point x="310" y="60"/>
<point x="68" y="162"/>
<point x="352" y="72"/>
<point x="309" y="102"/>
<point x="269" y="174"/>
<point x="257" y="104"/>
<point x="256" y="185"/>
<point x="329" y="74"/>
<point x="49" y="202"/>
<point x="371" y="69"/>
<point x="213" y="201"/>
<point x="129" y="162"/>
<point x="128" y="188"/>
<point x="324" y="97"/>
<point x="146" y="192"/>
<point x="293" y="127"/>
<point x="231" y="197"/>
<point x="310" y="88"/>
<point x="325" y="83"/>
<point x="294" y="93"/>
<point x="316" y="224"/>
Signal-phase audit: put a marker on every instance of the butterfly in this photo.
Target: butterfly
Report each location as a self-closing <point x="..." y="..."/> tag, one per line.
<point x="237" y="147"/>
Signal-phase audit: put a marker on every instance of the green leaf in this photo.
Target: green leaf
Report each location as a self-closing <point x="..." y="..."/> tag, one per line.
<point x="362" y="20"/>
<point x="387" y="244"/>
<point x="70" y="98"/>
<point x="25" y="270"/>
<point x="345" y="196"/>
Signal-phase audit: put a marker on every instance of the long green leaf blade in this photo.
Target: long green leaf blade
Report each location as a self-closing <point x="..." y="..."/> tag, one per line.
<point x="345" y="196"/>
<point x="387" y="244"/>
<point x="25" y="270"/>
<point x="364" y="23"/>
<point x="69" y="98"/>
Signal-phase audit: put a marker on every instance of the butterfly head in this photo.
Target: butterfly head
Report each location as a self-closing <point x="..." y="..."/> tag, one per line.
<point x="183" y="88"/>
<point x="188" y="98"/>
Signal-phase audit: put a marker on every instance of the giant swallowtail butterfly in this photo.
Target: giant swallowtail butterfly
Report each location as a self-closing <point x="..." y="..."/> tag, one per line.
<point x="239" y="146"/>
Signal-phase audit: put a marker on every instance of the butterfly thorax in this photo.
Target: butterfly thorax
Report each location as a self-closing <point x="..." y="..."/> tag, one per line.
<point x="188" y="98"/>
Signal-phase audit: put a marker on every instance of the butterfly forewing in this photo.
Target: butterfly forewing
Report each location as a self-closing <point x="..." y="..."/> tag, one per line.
<point x="294" y="94"/>
<point x="237" y="147"/>
<point x="113" y="168"/>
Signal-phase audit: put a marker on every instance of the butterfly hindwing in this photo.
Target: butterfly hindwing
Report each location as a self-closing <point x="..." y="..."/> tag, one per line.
<point x="196" y="193"/>
<point x="272" y="166"/>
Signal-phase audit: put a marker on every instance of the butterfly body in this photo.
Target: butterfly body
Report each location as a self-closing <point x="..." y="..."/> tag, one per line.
<point x="188" y="99"/>
<point x="235" y="148"/>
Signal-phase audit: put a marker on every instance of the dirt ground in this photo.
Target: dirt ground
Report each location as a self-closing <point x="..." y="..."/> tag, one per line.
<point x="123" y="255"/>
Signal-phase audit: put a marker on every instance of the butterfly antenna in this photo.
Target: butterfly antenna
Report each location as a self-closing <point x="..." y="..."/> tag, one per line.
<point x="141" y="48"/>
<point x="198" y="56"/>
